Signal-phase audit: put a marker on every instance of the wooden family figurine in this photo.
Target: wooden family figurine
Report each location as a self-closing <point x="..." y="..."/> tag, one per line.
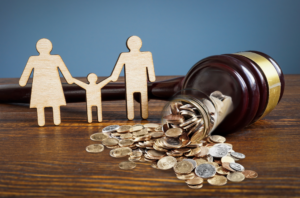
<point x="47" y="89"/>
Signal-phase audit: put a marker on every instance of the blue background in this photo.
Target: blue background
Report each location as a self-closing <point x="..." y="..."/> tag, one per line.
<point x="90" y="35"/>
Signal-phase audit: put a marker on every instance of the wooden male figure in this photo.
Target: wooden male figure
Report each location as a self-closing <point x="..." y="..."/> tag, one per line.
<point x="93" y="94"/>
<point x="138" y="67"/>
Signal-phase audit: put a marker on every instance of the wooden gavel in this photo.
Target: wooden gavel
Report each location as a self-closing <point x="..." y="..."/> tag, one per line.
<point x="253" y="80"/>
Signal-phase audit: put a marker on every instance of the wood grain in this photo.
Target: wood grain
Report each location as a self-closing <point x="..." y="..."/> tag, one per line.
<point x="138" y="67"/>
<point x="52" y="161"/>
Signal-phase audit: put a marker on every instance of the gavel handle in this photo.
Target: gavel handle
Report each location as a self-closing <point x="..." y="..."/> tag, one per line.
<point x="162" y="90"/>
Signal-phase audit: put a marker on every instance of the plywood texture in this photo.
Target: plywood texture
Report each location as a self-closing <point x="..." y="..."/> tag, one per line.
<point x="52" y="161"/>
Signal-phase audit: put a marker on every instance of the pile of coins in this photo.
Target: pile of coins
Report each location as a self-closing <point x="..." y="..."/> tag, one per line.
<point x="170" y="146"/>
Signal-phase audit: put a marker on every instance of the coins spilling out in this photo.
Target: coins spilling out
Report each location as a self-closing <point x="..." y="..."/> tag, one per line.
<point x="178" y="144"/>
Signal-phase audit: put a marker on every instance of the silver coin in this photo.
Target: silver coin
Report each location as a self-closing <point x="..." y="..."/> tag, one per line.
<point x="205" y="170"/>
<point x="238" y="155"/>
<point x="192" y="161"/>
<point x="218" y="151"/>
<point x="110" y="128"/>
<point x="237" y="167"/>
<point x="229" y="147"/>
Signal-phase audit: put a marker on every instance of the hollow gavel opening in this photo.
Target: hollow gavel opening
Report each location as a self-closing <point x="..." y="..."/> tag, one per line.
<point x="252" y="79"/>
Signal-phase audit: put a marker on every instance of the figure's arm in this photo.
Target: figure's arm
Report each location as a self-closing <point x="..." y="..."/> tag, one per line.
<point x="150" y="68"/>
<point x="80" y="83"/>
<point x="104" y="82"/>
<point x="26" y="73"/>
<point x="117" y="69"/>
<point x="64" y="70"/>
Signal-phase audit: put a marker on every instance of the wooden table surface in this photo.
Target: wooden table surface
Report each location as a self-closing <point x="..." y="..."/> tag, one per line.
<point x="52" y="161"/>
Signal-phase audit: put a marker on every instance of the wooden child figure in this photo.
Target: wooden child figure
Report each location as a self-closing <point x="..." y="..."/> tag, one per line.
<point x="93" y="94"/>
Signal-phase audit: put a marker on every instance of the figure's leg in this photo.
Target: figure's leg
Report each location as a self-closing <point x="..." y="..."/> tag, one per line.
<point x="130" y="106"/>
<point x="41" y="116"/>
<point x="56" y="115"/>
<point x="90" y="113"/>
<point x="99" y="110"/>
<point x="144" y="105"/>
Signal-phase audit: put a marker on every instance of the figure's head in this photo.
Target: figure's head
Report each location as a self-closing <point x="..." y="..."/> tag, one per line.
<point x="44" y="46"/>
<point x="134" y="43"/>
<point x="92" y="78"/>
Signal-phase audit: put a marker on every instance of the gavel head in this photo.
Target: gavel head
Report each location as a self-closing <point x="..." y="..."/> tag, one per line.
<point x="251" y="84"/>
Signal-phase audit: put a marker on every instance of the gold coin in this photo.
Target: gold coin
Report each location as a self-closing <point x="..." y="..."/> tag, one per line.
<point x="236" y="177"/>
<point x="250" y="174"/>
<point x="217" y="138"/>
<point x="140" y="132"/>
<point x="154" y="165"/>
<point x="126" y="142"/>
<point x="121" y="152"/>
<point x="198" y="135"/>
<point x="195" y="181"/>
<point x="183" y="167"/>
<point x="226" y="166"/>
<point x="159" y="128"/>
<point x="110" y="142"/>
<point x="151" y="125"/>
<point x="174" y="132"/>
<point x="134" y="159"/>
<point x="185" y="176"/>
<point x="156" y="154"/>
<point x="136" y="128"/>
<point x="227" y="159"/>
<point x="166" y="162"/>
<point x="98" y="136"/>
<point x="95" y="148"/>
<point x="194" y="151"/>
<point x="222" y="171"/>
<point x="217" y="180"/>
<point x="200" y="161"/>
<point x="126" y="136"/>
<point x="127" y="165"/>
<point x="124" y="129"/>
<point x="196" y="186"/>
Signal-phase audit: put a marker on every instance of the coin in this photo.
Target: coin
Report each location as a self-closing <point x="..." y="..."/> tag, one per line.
<point x="250" y="174"/>
<point x="227" y="167"/>
<point x="110" y="142"/>
<point x="217" y="180"/>
<point x="222" y="171"/>
<point x="196" y="186"/>
<point x="184" y="167"/>
<point x="121" y="152"/>
<point x="200" y="161"/>
<point x="237" y="167"/>
<point x="205" y="170"/>
<point x="136" y="153"/>
<point x="137" y="128"/>
<point x="236" y="177"/>
<point x="218" y="151"/>
<point x="124" y="143"/>
<point x="204" y="151"/>
<point x="98" y="136"/>
<point x="110" y="128"/>
<point x="195" y="181"/>
<point x="127" y="165"/>
<point x="194" y="151"/>
<point x="174" y="132"/>
<point x="237" y="155"/>
<point x="151" y="125"/>
<point x="124" y="129"/>
<point x="227" y="159"/>
<point x="95" y="148"/>
<point x="172" y="142"/>
<point x="157" y="134"/>
<point x="217" y="138"/>
<point x="154" y="165"/>
<point x="175" y="119"/>
<point x="156" y="154"/>
<point x="185" y="176"/>
<point x="126" y="136"/>
<point x="140" y="132"/>
<point x="166" y="162"/>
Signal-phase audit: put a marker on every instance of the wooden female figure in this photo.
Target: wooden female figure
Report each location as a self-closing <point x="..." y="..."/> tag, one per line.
<point x="46" y="86"/>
